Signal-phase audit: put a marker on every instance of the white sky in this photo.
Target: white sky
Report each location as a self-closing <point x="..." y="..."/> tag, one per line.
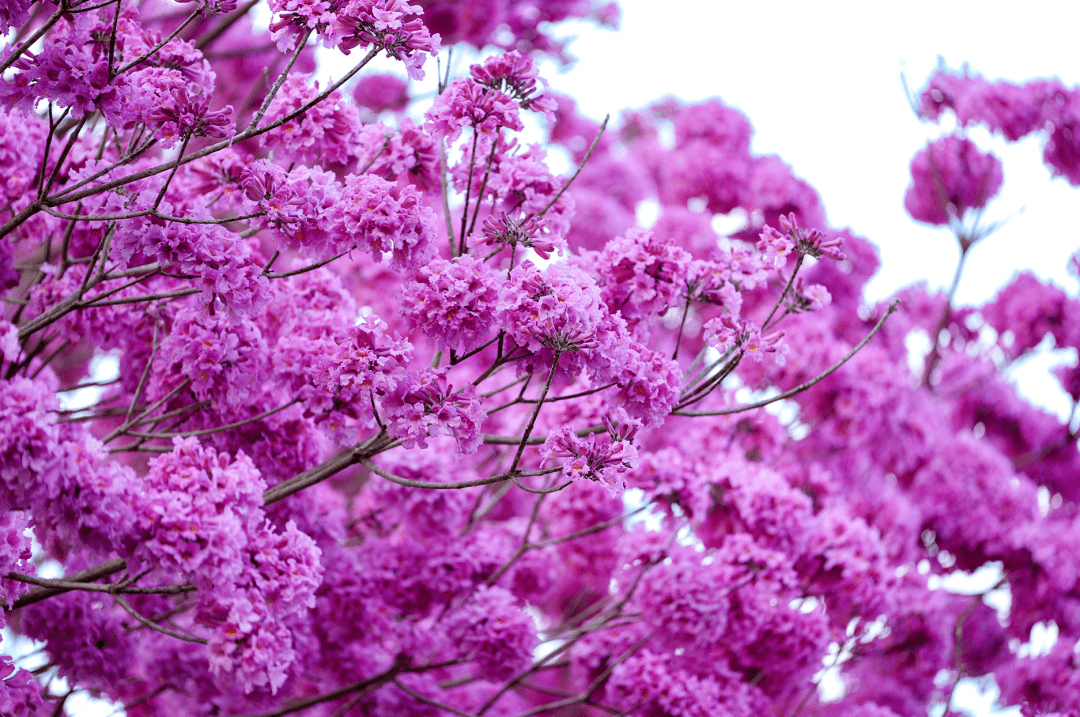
<point x="820" y="81"/>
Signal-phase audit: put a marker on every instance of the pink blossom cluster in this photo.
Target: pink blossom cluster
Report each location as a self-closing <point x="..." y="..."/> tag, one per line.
<point x="322" y="408"/>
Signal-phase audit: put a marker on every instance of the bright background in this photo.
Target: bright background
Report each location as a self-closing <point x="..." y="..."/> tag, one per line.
<point x="823" y="85"/>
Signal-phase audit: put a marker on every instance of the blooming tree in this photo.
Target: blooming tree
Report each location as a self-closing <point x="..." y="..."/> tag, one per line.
<point x="406" y="423"/>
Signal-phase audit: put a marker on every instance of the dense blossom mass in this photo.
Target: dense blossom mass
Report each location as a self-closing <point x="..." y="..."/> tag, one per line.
<point x="326" y="397"/>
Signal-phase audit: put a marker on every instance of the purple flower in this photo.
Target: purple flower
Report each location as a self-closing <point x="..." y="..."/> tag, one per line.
<point x="426" y="405"/>
<point x="559" y="309"/>
<point x="493" y="630"/>
<point x="643" y="276"/>
<point x="13" y="13"/>
<point x="393" y="26"/>
<point x="949" y="177"/>
<point x="593" y="458"/>
<point x="501" y="230"/>
<point x="20" y="693"/>
<point x="183" y="115"/>
<point x="407" y="155"/>
<point x="214" y="7"/>
<point x="325" y="134"/>
<point x="466" y="104"/>
<point x="380" y="93"/>
<point x="70" y="70"/>
<point x="728" y="333"/>
<point x="386" y="220"/>
<point x="809" y="242"/>
<point x="516" y="75"/>
<point x="368" y="361"/>
<point x="453" y="301"/>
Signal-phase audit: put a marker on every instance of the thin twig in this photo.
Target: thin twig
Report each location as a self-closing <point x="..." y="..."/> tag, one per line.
<point x="581" y="165"/>
<point x="154" y="626"/>
<point x="97" y="572"/>
<point x="803" y="386"/>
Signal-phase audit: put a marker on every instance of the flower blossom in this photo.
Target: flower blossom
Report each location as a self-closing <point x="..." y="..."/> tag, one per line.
<point x="393" y="26"/>
<point x="452" y="301"/>
<point x="593" y="458"/>
<point x="468" y="104"/>
<point x="776" y="245"/>
<point x="499" y="230"/>
<point x="368" y="360"/>
<point x="325" y="134"/>
<point x="949" y="177"/>
<point x="426" y="405"/>
<point x="386" y="219"/>
<point x="378" y="93"/>
<point x="559" y="309"/>
<point x="727" y="333"/>
<point x="184" y="115"/>
<point x="516" y="75"/>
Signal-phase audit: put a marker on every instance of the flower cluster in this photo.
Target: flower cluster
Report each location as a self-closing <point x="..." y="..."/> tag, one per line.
<point x="183" y="115"/>
<point x="426" y="405"/>
<point x="201" y="516"/>
<point x="776" y="245"/>
<point x="592" y="458"/>
<point x="1013" y="110"/>
<point x="643" y="276"/>
<point x="948" y="178"/>
<point x="387" y="220"/>
<point x="326" y="134"/>
<point x="728" y="333"/>
<point x="368" y="362"/>
<point x="71" y="70"/>
<point x="501" y="230"/>
<point x="492" y="630"/>
<point x="393" y="26"/>
<point x="558" y="309"/>
<point x="342" y="410"/>
<point x="452" y="302"/>
<point x="468" y="104"/>
<point x="515" y="75"/>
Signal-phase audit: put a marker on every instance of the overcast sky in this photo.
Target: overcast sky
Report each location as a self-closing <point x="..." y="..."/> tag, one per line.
<point x="821" y="82"/>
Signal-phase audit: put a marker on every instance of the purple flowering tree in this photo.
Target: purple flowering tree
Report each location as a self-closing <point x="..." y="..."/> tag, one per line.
<point x="404" y="422"/>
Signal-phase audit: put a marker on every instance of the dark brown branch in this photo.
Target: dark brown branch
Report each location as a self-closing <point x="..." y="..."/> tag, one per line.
<point x="494" y="440"/>
<point x="401" y="665"/>
<point x="345" y="459"/>
<point x="116" y="589"/>
<point x="431" y="485"/>
<point x="218" y="429"/>
<point x="293" y="272"/>
<point x="97" y="572"/>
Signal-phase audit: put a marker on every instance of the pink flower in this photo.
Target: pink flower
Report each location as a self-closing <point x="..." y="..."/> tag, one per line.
<point x="948" y="178"/>
<point x="426" y="405"/>
<point x="728" y="333"/>
<point x="468" y="104"/>
<point x="452" y="301"/>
